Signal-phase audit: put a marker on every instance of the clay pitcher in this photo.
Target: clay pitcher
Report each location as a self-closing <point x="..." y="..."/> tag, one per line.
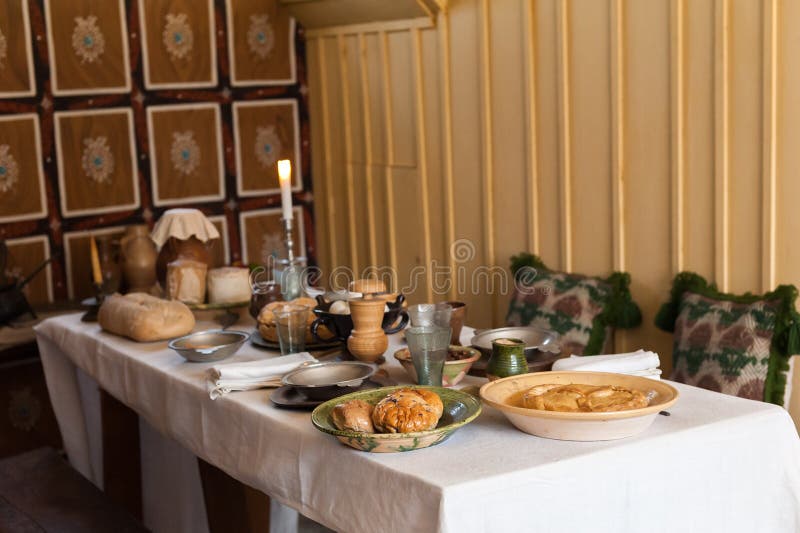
<point x="367" y="341"/>
<point x="138" y="259"/>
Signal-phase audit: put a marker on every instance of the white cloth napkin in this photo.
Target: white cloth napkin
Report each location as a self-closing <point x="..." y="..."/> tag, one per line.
<point x="183" y="223"/>
<point x="638" y="363"/>
<point x="223" y="379"/>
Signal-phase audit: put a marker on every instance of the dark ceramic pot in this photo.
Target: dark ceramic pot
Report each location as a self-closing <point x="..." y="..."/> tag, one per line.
<point x="394" y="320"/>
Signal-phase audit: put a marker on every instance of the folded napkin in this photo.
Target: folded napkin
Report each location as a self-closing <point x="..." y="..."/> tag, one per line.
<point x="223" y="379"/>
<point x="638" y="363"/>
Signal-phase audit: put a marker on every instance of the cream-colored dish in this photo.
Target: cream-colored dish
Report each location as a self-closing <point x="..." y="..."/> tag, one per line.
<point x="506" y="396"/>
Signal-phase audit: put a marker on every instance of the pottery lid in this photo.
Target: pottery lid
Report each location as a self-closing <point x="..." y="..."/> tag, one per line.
<point x="182" y="224"/>
<point x="368" y="286"/>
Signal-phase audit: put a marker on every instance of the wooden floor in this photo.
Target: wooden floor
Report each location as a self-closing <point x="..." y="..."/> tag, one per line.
<point x="306" y="525"/>
<point x="40" y="492"/>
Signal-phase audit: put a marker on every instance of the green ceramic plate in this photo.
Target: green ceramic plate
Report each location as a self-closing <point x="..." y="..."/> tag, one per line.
<point x="209" y="307"/>
<point x="460" y="408"/>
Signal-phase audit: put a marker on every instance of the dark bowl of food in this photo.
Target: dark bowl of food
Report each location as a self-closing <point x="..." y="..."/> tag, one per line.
<point x="458" y="362"/>
<point x="395" y="318"/>
<point x="323" y="381"/>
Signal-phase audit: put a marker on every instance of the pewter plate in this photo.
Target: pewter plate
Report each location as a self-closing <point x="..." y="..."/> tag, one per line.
<point x="542" y="347"/>
<point x="289" y="397"/>
<point x="342" y="373"/>
<point x="323" y="381"/>
<point x="533" y="337"/>
<point x="257" y="340"/>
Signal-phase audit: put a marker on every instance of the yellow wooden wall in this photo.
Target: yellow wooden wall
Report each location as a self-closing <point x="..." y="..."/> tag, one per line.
<point x="643" y="135"/>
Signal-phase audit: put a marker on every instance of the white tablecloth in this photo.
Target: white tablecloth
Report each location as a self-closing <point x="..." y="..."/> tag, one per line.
<point x="717" y="464"/>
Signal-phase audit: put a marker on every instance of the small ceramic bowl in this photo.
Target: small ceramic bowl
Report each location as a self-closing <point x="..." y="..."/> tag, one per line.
<point x="323" y="381"/>
<point x="506" y="396"/>
<point x="460" y="409"/>
<point x="209" y="346"/>
<point x="454" y="369"/>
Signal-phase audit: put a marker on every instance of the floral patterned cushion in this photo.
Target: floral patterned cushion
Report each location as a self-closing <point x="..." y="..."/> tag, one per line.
<point x="582" y="309"/>
<point x="737" y="345"/>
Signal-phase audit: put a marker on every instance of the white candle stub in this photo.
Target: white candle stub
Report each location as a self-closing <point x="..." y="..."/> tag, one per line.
<point x="285" y="179"/>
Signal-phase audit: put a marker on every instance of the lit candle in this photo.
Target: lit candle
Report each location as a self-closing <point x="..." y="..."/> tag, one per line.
<point x="97" y="275"/>
<point x="285" y="179"/>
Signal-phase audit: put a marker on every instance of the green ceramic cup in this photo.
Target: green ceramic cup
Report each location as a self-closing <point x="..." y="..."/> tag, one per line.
<point x="508" y="359"/>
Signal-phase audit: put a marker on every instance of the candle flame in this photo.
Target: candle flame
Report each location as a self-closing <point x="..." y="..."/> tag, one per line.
<point x="97" y="274"/>
<point x="284" y="169"/>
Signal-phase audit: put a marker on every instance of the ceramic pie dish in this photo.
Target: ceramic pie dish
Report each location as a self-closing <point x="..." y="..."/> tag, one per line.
<point x="460" y="408"/>
<point x="506" y="396"/>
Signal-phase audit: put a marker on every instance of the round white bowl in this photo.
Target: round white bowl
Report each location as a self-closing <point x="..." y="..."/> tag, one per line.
<point x="506" y="394"/>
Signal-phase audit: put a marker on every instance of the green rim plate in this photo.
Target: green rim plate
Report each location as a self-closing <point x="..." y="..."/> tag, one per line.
<point x="211" y="307"/>
<point x="321" y="417"/>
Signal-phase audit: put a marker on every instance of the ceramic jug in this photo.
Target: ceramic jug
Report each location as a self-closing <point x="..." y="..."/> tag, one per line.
<point x="139" y="255"/>
<point x="367" y="341"/>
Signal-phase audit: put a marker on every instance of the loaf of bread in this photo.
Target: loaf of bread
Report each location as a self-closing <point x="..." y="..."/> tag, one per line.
<point x="407" y="411"/>
<point x="145" y="318"/>
<point x="186" y="281"/>
<point x="228" y="285"/>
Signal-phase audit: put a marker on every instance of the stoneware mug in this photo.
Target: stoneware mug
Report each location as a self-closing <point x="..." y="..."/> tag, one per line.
<point x="508" y="359"/>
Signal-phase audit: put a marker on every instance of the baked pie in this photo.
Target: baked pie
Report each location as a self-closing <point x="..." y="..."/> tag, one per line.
<point x="577" y="398"/>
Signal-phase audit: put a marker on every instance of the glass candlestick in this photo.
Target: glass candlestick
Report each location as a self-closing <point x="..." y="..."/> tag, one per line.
<point x="289" y="272"/>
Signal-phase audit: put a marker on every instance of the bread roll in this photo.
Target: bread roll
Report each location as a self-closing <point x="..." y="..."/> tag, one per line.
<point x="145" y="318"/>
<point x="228" y="285"/>
<point x="407" y="410"/>
<point x="339" y="307"/>
<point x="186" y="281"/>
<point x="355" y="415"/>
<point x="269" y="329"/>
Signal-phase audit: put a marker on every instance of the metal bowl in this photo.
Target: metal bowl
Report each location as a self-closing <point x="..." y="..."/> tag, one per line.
<point x="209" y="346"/>
<point x="536" y="340"/>
<point x="323" y="381"/>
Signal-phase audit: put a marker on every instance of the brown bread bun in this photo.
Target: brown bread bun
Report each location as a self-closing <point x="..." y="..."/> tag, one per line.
<point x="355" y="415"/>
<point x="269" y="330"/>
<point x="407" y="410"/>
